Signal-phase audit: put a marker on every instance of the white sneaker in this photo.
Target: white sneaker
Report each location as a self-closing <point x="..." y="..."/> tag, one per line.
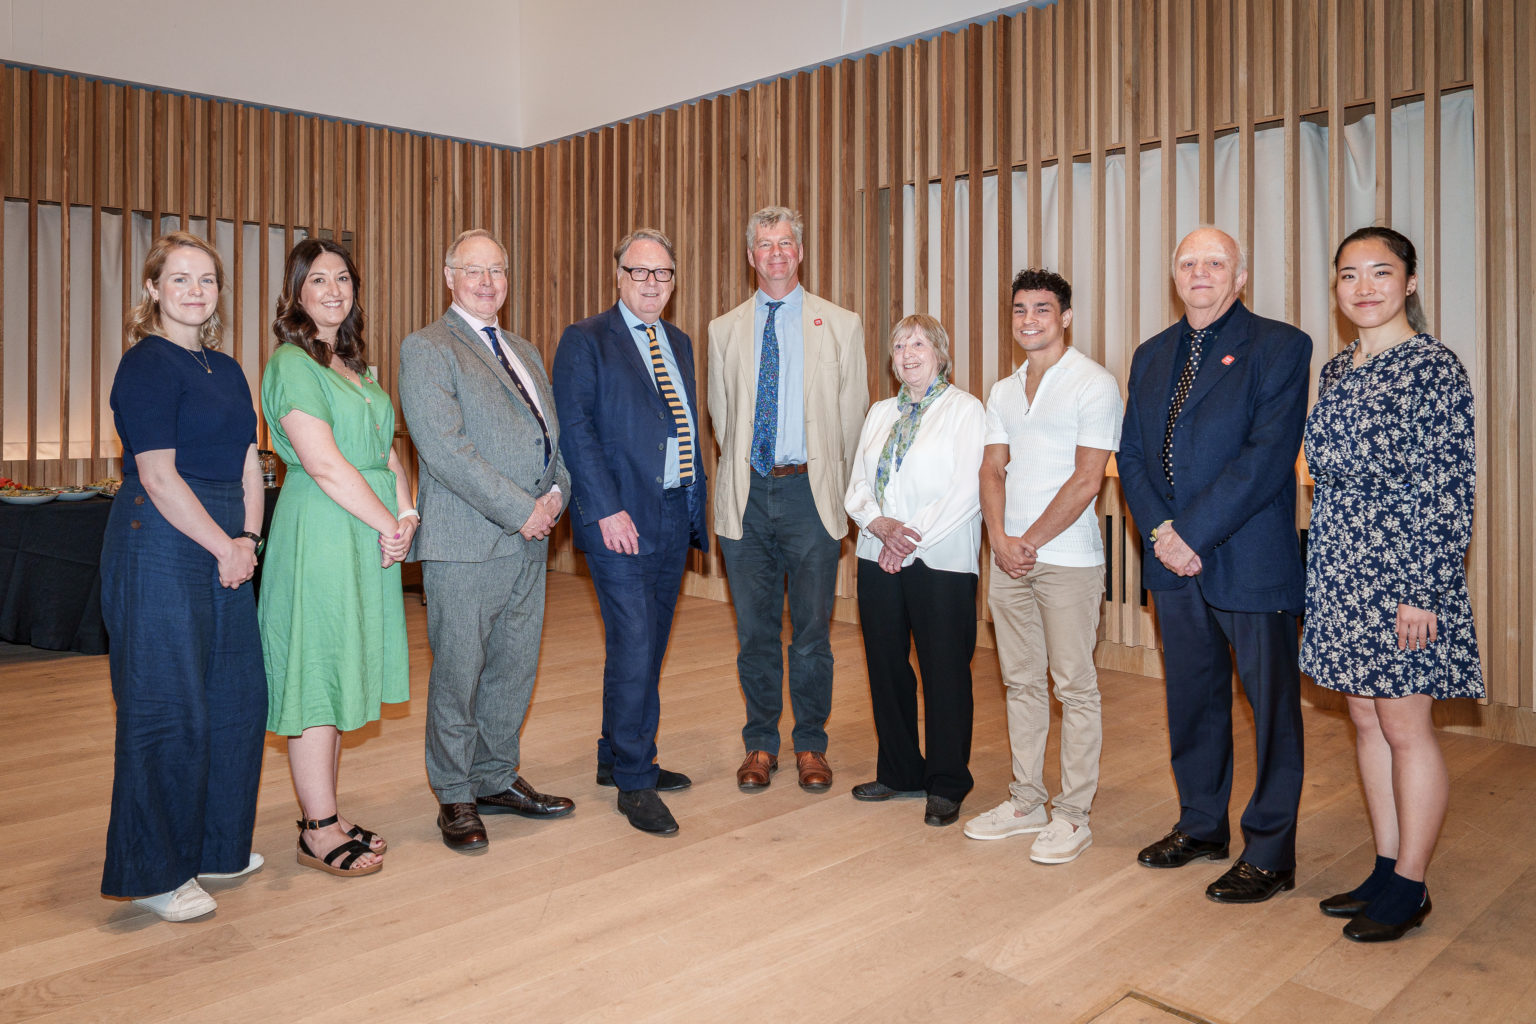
<point x="1058" y="843"/>
<point x="1001" y="822"/>
<point x="180" y="904"/>
<point x="257" y="860"/>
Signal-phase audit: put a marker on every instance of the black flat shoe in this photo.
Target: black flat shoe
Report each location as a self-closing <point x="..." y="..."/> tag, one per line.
<point x="666" y="782"/>
<point x="1245" y="883"/>
<point x="877" y="790"/>
<point x="646" y="812"/>
<point x="941" y="811"/>
<point x="1342" y="905"/>
<point x="1177" y="848"/>
<point x="1362" y="929"/>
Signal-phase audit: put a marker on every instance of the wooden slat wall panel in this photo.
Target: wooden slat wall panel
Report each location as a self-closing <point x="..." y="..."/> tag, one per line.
<point x="1090" y="80"/>
<point x="1067" y="82"/>
<point x="110" y="148"/>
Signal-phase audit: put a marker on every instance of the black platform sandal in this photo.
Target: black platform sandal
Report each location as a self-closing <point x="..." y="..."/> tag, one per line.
<point x="347" y="852"/>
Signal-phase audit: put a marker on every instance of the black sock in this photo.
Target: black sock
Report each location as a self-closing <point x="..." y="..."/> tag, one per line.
<point x="1380" y="875"/>
<point x="1398" y="901"/>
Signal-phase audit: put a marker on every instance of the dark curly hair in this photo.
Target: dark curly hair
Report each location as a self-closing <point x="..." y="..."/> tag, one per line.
<point x="1036" y="280"/>
<point x="293" y="324"/>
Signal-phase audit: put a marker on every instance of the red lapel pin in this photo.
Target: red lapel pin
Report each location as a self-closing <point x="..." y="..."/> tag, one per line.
<point x="817" y="321"/>
<point x="1228" y="360"/>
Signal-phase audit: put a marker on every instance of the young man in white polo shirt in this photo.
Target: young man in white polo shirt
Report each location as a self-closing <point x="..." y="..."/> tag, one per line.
<point x="1051" y="427"/>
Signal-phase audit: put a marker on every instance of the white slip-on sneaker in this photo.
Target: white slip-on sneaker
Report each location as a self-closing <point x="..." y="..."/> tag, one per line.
<point x="1001" y="822"/>
<point x="257" y="860"/>
<point x="183" y="903"/>
<point x="1057" y="843"/>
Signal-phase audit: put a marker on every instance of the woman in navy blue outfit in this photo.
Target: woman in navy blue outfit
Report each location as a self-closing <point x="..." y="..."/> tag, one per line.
<point x="1389" y="624"/>
<point x="180" y="548"/>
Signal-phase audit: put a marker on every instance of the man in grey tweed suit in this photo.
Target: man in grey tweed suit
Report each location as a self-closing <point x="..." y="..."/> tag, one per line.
<point x="482" y="417"/>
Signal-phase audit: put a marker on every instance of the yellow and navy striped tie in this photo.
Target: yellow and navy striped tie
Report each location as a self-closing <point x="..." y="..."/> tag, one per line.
<point x="675" y="403"/>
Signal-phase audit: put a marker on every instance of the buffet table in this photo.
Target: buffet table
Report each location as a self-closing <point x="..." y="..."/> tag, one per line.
<point x="50" y="573"/>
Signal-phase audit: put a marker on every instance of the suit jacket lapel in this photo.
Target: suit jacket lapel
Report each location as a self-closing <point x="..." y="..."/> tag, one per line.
<point x="813" y="335"/>
<point x="622" y="337"/>
<point x="477" y="344"/>
<point x="1224" y="353"/>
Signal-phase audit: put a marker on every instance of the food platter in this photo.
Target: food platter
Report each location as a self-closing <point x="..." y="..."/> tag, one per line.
<point x="78" y="493"/>
<point x="28" y="495"/>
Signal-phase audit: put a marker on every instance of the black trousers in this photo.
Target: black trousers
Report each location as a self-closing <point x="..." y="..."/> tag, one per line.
<point x="937" y="609"/>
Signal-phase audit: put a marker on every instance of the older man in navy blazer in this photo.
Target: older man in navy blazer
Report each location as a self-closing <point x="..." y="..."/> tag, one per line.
<point x="624" y="391"/>
<point x="1213" y="422"/>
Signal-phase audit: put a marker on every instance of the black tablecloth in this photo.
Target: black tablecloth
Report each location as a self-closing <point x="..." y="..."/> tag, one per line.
<point x="50" y="573"/>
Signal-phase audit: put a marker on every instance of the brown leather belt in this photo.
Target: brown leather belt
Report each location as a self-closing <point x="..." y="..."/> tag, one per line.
<point x="789" y="470"/>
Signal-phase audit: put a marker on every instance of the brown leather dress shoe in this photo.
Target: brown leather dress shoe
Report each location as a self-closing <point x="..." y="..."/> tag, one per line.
<point x="756" y="771"/>
<point x="523" y="799"/>
<point x="461" y="827"/>
<point x="815" y="773"/>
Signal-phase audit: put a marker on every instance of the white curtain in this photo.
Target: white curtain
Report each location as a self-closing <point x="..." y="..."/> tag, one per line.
<point x="82" y="248"/>
<point x="1267" y="256"/>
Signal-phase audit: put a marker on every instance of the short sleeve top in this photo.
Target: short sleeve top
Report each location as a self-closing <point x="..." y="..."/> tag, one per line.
<point x="361" y="417"/>
<point x="164" y="397"/>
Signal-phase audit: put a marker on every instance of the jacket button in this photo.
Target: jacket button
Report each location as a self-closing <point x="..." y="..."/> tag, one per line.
<point x="138" y="499"/>
<point x="134" y="524"/>
<point x="1168" y="496"/>
<point x="661" y="481"/>
<point x="662" y="446"/>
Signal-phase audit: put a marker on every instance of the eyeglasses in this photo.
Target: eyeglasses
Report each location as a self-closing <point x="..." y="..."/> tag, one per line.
<point x="496" y="273"/>
<point x="661" y="274"/>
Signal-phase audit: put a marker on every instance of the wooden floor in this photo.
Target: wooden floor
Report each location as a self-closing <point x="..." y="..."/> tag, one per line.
<point x="780" y="905"/>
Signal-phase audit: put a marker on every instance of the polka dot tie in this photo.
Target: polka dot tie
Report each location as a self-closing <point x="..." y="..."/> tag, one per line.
<point x="1197" y="340"/>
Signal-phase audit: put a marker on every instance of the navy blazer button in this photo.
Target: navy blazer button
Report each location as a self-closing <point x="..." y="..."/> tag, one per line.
<point x="662" y="446"/>
<point x="660" y="480"/>
<point x="1168" y="496"/>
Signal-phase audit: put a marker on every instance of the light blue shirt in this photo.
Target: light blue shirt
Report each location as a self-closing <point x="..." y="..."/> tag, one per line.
<point x="672" y="475"/>
<point x="789" y="445"/>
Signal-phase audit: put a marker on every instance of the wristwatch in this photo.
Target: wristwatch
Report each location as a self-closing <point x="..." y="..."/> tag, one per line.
<point x="254" y="538"/>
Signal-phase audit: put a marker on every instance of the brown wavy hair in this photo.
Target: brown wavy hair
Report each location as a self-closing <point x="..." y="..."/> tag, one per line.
<point x="294" y="326"/>
<point x="144" y="318"/>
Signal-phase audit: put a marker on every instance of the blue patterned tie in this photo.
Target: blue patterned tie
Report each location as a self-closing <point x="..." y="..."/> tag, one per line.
<point x="765" y="416"/>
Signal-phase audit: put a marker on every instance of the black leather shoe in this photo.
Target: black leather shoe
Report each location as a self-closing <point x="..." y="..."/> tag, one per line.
<point x="523" y="799"/>
<point x="1363" y="929"/>
<point x="461" y="827"/>
<point x="941" y="811"/>
<point x="1342" y="905"/>
<point x="1177" y="848"/>
<point x="878" y="790"/>
<point x="666" y="781"/>
<point x="1244" y="883"/>
<point x="646" y="812"/>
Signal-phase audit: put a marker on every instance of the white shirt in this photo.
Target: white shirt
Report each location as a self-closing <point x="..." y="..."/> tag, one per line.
<point x="936" y="490"/>
<point x="1076" y="405"/>
<point x="479" y="326"/>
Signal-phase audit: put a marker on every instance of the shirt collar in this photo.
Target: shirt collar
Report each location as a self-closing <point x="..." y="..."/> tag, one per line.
<point x="1221" y="321"/>
<point x="794" y="300"/>
<point x="475" y="323"/>
<point x="634" y="322"/>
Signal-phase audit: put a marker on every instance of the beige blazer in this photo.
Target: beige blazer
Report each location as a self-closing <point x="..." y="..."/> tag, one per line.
<point x="836" y="396"/>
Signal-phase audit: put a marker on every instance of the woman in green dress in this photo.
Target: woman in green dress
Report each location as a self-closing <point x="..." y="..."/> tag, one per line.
<point x="332" y="621"/>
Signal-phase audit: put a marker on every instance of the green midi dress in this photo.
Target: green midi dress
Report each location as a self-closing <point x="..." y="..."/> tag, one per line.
<point x="332" y="620"/>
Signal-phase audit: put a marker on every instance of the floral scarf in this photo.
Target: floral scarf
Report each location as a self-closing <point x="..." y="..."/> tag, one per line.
<point x="904" y="432"/>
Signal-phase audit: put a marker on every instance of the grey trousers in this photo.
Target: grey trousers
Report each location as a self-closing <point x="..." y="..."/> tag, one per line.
<point x="484" y="621"/>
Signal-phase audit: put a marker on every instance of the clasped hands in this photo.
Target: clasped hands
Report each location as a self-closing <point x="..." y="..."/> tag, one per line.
<point x="546" y="510"/>
<point x="1178" y="557"/>
<point x="394" y="547"/>
<point x="898" y="540"/>
<point x="238" y="564"/>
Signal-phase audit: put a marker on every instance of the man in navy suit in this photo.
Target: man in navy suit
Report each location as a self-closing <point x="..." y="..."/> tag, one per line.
<point x="624" y="392"/>
<point x="1213" y="422"/>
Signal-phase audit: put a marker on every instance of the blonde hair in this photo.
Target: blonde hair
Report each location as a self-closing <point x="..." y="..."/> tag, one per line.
<point x="144" y="318"/>
<point x="928" y="327"/>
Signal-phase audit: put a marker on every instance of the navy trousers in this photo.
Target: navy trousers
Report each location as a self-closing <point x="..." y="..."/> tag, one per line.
<point x="1199" y="642"/>
<point x="637" y="595"/>
<point x="191" y="696"/>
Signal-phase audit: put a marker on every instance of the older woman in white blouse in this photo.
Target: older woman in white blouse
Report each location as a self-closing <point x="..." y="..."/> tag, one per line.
<point x="913" y="493"/>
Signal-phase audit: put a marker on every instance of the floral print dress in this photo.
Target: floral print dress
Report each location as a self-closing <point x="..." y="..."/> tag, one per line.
<point x="1390" y="445"/>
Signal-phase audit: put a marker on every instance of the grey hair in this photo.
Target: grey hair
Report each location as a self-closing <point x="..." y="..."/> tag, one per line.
<point x="1242" y="257"/>
<point x="648" y="235"/>
<point x="769" y="216"/>
<point x="465" y="236"/>
<point x="928" y="327"/>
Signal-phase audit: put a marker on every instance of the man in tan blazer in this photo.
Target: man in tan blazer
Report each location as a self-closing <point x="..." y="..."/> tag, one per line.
<point x="787" y="396"/>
